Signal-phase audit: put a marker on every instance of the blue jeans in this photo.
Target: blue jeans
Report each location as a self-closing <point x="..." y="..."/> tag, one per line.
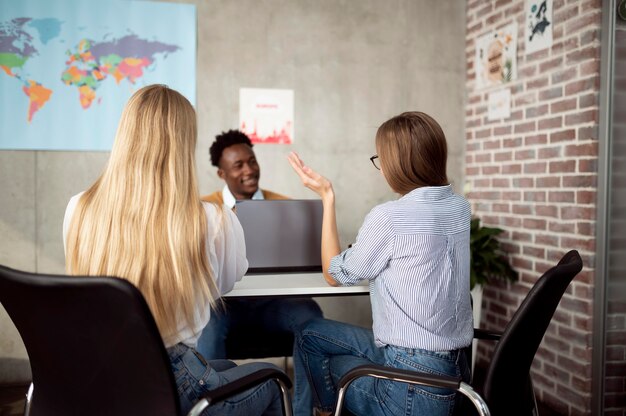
<point x="326" y="350"/>
<point x="271" y="315"/>
<point x="195" y="376"/>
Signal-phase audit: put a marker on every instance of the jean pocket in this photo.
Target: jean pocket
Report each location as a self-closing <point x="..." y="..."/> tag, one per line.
<point x="431" y="365"/>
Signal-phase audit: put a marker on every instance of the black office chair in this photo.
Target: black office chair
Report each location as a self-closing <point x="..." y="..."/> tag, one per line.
<point x="95" y="349"/>
<point x="507" y="389"/>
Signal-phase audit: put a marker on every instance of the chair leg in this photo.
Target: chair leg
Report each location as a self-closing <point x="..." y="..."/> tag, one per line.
<point x="29" y="397"/>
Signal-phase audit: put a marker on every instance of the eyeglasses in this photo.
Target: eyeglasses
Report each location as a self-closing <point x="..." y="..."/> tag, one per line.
<point x="373" y="160"/>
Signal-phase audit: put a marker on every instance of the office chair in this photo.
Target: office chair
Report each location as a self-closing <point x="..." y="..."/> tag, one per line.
<point x="95" y="349"/>
<point x="507" y="388"/>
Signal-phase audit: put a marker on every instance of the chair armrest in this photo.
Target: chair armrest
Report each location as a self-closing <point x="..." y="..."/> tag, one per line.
<point x="487" y="335"/>
<point x="396" y="374"/>
<point x="245" y="383"/>
<point x="407" y="376"/>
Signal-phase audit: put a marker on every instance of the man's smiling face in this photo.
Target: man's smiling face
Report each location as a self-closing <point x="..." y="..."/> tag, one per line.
<point x="240" y="170"/>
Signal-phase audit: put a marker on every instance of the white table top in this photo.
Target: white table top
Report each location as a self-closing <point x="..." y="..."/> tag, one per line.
<point x="292" y="284"/>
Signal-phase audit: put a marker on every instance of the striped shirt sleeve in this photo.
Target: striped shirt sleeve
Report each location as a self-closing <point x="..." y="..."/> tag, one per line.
<point x="369" y="255"/>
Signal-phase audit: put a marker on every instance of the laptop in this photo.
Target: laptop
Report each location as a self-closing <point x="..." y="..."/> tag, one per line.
<point x="282" y="236"/>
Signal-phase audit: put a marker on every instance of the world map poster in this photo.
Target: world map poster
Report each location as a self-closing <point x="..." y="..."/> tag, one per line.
<point x="67" y="67"/>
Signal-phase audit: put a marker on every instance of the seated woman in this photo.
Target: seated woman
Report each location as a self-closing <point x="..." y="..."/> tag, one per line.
<point x="415" y="253"/>
<point x="143" y="221"/>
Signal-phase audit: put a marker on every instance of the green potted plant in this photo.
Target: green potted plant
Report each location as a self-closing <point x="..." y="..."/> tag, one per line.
<point x="487" y="260"/>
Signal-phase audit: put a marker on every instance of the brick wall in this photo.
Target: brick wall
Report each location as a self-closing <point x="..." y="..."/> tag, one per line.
<point x="534" y="174"/>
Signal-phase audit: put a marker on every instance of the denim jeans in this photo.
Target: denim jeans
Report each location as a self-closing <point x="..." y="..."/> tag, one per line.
<point x="194" y="376"/>
<point x="272" y="315"/>
<point x="326" y="350"/>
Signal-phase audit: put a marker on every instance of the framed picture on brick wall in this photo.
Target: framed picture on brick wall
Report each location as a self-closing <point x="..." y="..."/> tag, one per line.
<point x="538" y="28"/>
<point x="496" y="57"/>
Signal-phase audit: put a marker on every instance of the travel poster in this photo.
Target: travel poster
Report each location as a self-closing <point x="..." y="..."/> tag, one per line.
<point x="266" y="115"/>
<point x="496" y="57"/>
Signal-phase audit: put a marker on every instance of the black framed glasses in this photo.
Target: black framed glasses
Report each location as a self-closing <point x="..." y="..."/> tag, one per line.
<point x="373" y="160"/>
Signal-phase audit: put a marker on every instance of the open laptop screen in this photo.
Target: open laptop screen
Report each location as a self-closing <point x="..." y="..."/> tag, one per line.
<point x="282" y="235"/>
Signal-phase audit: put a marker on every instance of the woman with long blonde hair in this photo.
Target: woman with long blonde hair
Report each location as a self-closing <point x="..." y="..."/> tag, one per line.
<point x="143" y="220"/>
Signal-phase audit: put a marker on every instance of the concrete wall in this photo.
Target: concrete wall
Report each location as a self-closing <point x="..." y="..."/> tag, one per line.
<point x="352" y="65"/>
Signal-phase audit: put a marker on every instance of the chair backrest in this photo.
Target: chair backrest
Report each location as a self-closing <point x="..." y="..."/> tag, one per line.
<point x="93" y="345"/>
<point x="507" y="381"/>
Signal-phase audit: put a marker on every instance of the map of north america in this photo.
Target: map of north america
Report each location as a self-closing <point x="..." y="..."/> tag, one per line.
<point x="87" y="63"/>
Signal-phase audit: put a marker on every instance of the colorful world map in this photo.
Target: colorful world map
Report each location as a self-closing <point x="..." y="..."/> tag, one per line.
<point x="87" y="64"/>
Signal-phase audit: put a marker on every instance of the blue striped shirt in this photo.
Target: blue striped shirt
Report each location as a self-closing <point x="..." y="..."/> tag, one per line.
<point x="415" y="254"/>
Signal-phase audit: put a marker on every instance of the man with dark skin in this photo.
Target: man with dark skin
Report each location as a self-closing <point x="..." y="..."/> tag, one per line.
<point x="232" y="154"/>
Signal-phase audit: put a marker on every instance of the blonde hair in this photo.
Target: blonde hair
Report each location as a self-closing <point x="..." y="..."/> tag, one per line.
<point x="143" y="220"/>
<point x="413" y="152"/>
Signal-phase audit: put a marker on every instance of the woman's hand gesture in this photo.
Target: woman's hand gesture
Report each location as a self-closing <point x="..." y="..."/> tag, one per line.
<point x="311" y="179"/>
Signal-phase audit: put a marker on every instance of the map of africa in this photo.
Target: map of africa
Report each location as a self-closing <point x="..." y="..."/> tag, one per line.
<point x="57" y="69"/>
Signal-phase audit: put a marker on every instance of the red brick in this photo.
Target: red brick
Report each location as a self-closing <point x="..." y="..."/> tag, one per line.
<point x="584" y="197"/>
<point x="549" y="153"/>
<point x="560" y="227"/>
<point x="511" y="169"/>
<point x="563" y="75"/>
<point x="504" y="208"/>
<point x="537" y="56"/>
<point x="525" y="127"/>
<point x="566" y="14"/>
<point x="551" y="64"/>
<point x="491" y="144"/>
<point x="511" y="196"/>
<point x="538" y="82"/>
<point x="522" y="210"/>
<point x="581" y="117"/>
<point x="580" y="181"/>
<point x="588" y="149"/>
<point x="588" y="244"/>
<point x="525" y="99"/>
<point x="583" y="22"/>
<point x="563" y="105"/>
<point x="590" y="67"/>
<point x="483" y="157"/>
<point x="501" y="182"/>
<point x="588" y="166"/>
<point x="516" y="142"/>
<point x="563" y="135"/>
<point x="548" y="182"/>
<point x="535" y="139"/>
<point x="581" y="85"/>
<point x="588" y="132"/>
<point x="535" y="196"/>
<point x="551" y="93"/>
<point x="538" y="167"/>
<point x="525" y="154"/>
<point x="502" y="130"/>
<point x="481" y="134"/>
<point x="577" y="56"/>
<point x="565" y="45"/>
<point x="523" y="182"/>
<point x="577" y="213"/>
<point x="589" y="100"/>
<point x="490" y="170"/>
<point x="537" y="111"/>
<point x="567" y="166"/>
<point x="561" y="196"/>
<point x="547" y="211"/>
<point x="546" y="239"/>
<point x="550" y="123"/>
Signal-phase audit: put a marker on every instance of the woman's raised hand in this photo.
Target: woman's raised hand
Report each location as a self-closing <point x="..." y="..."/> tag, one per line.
<point x="311" y="179"/>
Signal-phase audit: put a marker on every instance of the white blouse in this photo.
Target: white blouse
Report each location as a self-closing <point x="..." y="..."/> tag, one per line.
<point x="226" y="251"/>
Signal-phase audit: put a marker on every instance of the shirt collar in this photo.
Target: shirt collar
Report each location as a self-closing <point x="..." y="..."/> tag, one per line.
<point x="229" y="198"/>
<point x="430" y="193"/>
